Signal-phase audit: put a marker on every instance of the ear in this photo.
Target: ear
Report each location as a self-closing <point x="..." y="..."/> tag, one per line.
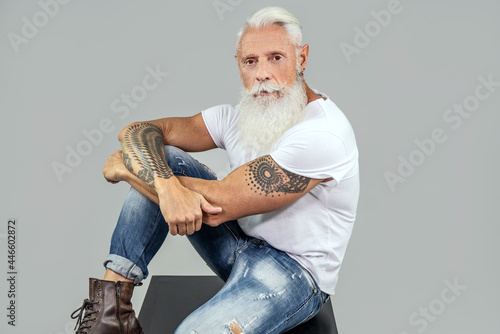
<point x="303" y="55"/>
<point x="237" y="59"/>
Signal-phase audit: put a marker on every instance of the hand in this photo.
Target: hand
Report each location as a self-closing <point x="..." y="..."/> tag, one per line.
<point x="183" y="209"/>
<point x="114" y="170"/>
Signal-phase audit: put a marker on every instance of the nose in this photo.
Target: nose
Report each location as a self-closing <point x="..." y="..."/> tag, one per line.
<point x="263" y="72"/>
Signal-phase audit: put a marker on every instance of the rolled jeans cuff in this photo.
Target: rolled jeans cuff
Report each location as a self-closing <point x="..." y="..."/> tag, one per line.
<point x="124" y="267"/>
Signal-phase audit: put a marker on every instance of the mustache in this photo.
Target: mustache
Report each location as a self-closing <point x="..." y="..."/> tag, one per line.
<point x="265" y="87"/>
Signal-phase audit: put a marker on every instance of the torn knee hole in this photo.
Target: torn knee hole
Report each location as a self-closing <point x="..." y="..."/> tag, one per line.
<point x="235" y="328"/>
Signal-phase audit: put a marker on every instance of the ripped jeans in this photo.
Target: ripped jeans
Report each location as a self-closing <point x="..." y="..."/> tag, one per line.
<point x="266" y="291"/>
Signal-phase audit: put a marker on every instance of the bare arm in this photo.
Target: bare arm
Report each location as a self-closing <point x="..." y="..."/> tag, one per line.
<point x="187" y="133"/>
<point x="259" y="186"/>
<point x="144" y="157"/>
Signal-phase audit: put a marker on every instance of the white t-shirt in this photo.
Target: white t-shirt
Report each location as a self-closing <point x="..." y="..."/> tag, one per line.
<point x="315" y="229"/>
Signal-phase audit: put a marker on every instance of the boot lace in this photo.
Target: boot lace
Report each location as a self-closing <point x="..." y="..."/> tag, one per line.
<point x="83" y="320"/>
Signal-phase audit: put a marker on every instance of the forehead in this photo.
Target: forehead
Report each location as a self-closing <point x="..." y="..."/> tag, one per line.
<point x="268" y="39"/>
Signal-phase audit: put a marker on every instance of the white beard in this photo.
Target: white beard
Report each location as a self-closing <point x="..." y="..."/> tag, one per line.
<point x="264" y="119"/>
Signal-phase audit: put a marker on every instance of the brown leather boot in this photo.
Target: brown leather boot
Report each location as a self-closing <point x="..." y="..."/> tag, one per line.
<point x="108" y="309"/>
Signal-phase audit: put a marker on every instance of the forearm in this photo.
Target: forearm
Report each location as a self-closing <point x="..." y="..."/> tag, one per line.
<point x="142" y="164"/>
<point x="259" y="186"/>
<point x="212" y="191"/>
<point x="144" y="155"/>
<point x="142" y="187"/>
<point x="234" y="201"/>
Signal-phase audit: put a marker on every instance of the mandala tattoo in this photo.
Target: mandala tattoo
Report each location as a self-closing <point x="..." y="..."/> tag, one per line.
<point x="265" y="177"/>
<point x="143" y="144"/>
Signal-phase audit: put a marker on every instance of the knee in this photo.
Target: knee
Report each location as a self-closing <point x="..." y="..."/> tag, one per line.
<point x="136" y="205"/>
<point x="235" y="328"/>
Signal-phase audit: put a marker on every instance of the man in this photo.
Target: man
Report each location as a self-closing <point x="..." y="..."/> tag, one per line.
<point x="275" y="229"/>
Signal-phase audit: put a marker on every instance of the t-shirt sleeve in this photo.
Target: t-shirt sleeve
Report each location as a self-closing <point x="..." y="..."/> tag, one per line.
<point x="315" y="154"/>
<point x="218" y="119"/>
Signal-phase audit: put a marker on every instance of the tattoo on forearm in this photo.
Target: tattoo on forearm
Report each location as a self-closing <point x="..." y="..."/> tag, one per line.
<point x="126" y="160"/>
<point x="265" y="177"/>
<point x="143" y="144"/>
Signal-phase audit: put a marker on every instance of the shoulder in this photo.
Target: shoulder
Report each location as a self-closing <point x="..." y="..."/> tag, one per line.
<point x="220" y="113"/>
<point x="220" y="109"/>
<point x="323" y="118"/>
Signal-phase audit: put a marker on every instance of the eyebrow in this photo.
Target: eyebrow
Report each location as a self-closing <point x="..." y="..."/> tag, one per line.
<point x="267" y="54"/>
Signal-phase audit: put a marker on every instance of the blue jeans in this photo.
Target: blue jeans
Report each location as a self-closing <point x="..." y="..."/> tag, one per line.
<point x="266" y="291"/>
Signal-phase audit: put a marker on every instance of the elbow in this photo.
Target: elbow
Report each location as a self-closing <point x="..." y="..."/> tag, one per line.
<point x="124" y="130"/>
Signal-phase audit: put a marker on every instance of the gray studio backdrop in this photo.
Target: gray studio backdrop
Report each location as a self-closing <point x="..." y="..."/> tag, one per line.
<point x="419" y="81"/>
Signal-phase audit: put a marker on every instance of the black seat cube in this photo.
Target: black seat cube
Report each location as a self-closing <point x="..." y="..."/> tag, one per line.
<point x="170" y="299"/>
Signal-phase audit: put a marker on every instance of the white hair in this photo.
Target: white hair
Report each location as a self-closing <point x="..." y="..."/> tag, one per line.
<point x="273" y="15"/>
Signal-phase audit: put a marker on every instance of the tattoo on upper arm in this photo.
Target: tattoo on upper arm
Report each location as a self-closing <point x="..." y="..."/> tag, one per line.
<point x="265" y="177"/>
<point x="143" y="144"/>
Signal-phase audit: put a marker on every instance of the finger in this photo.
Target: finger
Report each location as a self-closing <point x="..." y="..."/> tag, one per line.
<point x="197" y="221"/>
<point x="181" y="229"/>
<point x="191" y="228"/>
<point x="172" y="228"/>
<point x="209" y="208"/>
<point x="198" y="225"/>
<point x="104" y="174"/>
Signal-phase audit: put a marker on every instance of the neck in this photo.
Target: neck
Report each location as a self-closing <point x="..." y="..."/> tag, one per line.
<point x="311" y="95"/>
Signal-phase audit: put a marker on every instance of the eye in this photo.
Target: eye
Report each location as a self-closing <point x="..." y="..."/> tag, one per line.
<point x="250" y="62"/>
<point x="277" y="57"/>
